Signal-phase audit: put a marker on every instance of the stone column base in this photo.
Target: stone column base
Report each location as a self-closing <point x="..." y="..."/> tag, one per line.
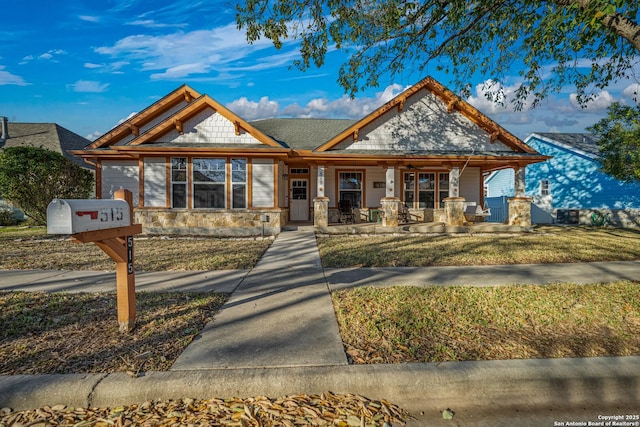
<point x="390" y="207"/>
<point x="520" y="211"/>
<point x="454" y="211"/>
<point x="321" y="212"/>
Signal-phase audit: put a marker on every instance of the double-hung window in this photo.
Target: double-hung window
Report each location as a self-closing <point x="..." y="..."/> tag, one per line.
<point x="544" y="187"/>
<point x="350" y="188"/>
<point x="426" y="190"/>
<point x="179" y="182"/>
<point x="239" y="183"/>
<point x="209" y="183"/>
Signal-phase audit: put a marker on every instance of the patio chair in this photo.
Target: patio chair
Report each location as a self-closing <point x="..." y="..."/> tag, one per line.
<point x="403" y="213"/>
<point x="346" y="212"/>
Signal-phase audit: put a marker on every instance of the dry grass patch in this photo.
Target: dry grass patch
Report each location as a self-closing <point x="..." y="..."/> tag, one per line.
<point x="437" y="324"/>
<point x="545" y="245"/>
<point x="33" y="249"/>
<point x="71" y="333"/>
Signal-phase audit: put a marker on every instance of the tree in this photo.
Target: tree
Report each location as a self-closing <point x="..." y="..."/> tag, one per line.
<point x="549" y="44"/>
<point x="619" y="141"/>
<point x="31" y="177"/>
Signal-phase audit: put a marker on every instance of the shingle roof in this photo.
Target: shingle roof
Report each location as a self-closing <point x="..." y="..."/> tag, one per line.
<point x="582" y="141"/>
<point x="46" y="135"/>
<point x="302" y="134"/>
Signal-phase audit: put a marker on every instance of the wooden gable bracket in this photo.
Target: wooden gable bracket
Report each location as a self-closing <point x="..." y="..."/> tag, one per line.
<point x="355" y="134"/>
<point x="236" y="126"/>
<point x="187" y="97"/>
<point x="179" y="127"/>
<point x="494" y="136"/>
<point x="452" y="103"/>
<point x="135" y="130"/>
<point x="401" y="104"/>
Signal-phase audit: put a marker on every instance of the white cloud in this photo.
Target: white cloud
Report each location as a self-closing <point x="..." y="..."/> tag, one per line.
<point x="88" y="18"/>
<point x="492" y="97"/>
<point x="92" y="66"/>
<point x="94" y="135"/>
<point x="251" y="110"/>
<point x="6" y="78"/>
<point x="221" y="50"/>
<point x="51" y="54"/>
<point x="150" y="23"/>
<point x="89" y="86"/>
<point x="343" y="107"/>
<point x="632" y="92"/>
<point x="599" y="102"/>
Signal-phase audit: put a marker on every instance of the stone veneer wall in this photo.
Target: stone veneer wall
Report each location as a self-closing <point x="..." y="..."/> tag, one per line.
<point x="210" y="222"/>
<point x="628" y="218"/>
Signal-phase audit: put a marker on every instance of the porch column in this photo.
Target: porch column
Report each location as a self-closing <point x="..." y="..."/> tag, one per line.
<point x="454" y="182"/>
<point x="320" y="180"/>
<point x="390" y="184"/>
<point x="321" y="212"/>
<point x="390" y="207"/>
<point x="520" y="205"/>
<point x="519" y="181"/>
<point x="454" y="211"/>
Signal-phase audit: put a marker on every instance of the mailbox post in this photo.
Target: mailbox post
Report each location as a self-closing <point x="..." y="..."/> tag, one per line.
<point x="107" y="223"/>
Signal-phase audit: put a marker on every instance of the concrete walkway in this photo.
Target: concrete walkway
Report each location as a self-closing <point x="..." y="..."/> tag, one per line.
<point x="281" y="315"/>
<point x="278" y="335"/>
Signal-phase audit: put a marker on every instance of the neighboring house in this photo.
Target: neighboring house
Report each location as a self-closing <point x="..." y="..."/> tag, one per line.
<point x="46" y="135"/>
<point x="571" y="186"/>
<point x="194" y="166"/>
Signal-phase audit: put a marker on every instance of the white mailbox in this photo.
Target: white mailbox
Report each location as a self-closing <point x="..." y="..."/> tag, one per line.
<point x="70" y="216"/>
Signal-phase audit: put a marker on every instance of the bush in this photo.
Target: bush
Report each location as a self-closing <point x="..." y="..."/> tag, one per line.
<point x="30" y="177"/>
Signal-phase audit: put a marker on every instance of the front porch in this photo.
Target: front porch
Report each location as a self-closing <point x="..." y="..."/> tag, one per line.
<point x="412" y="227"/>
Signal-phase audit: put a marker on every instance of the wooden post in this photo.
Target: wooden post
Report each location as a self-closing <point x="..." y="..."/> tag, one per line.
<point x="118" y="244"/>
<point x="126" y="276"/>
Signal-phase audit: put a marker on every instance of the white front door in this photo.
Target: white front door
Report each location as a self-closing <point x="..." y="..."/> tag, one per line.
<point x="299" y="209"/>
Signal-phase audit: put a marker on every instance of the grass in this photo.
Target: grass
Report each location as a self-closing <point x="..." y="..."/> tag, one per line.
<point x="25" y="248"/>
<point x="437" y="324"/>
<point x="46" y="333"/>
<point x="70" y="333"/>
<point x="545" y="245"/>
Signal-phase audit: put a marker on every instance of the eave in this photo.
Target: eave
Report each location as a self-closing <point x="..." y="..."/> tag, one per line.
<point x="150" y="151"/>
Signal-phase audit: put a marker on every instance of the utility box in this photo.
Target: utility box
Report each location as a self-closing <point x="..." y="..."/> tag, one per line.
<point x="71" y="216"/>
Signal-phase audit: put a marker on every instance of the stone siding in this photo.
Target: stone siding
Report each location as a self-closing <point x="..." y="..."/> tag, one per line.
<point x="628" y="218"/>
<point x="210" y="222"/>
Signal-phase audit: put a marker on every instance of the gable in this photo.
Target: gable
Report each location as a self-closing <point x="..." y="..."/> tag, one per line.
<point x="424" y="124"/>
<point x="208" y="127"/>
<point x="429" y="118"/>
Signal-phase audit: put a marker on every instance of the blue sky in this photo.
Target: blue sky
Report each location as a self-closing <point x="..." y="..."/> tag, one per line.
<point x="87" y="65"/>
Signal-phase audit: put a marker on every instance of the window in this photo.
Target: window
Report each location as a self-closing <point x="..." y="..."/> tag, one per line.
<point x="443" y="187"/>
<point x="544" y="187"/>
<point x="179" y="182"/>
<point x="209" y="183"/>
<point x="426" y="190"/>
<point x="429" y="193"/>
<point x="350" y="188"/>
<point x="239" y="183"/>
<point x="299" y="171"/>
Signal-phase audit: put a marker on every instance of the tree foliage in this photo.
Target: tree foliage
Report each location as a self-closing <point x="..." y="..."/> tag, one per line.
<point x="31" y="177"/>
<point x="549" y="44"/>
<point x="619" y="142"/>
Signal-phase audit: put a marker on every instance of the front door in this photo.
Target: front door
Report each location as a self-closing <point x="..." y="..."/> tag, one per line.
<point x="299" y="209"/>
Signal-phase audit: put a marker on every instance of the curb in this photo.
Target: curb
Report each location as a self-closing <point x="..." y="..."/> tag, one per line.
<point x="530" y="384"/>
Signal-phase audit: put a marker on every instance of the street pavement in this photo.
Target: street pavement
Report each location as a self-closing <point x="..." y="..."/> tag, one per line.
<point x="278" y="335"/>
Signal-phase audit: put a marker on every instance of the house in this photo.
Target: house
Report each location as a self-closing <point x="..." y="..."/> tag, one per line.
<point x="571" y="187"/>
<point x="51" y="136"/>
<point x="196" y="167"/>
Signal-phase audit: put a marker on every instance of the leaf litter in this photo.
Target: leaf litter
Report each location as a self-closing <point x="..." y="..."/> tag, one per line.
<point x="326" y="409"/>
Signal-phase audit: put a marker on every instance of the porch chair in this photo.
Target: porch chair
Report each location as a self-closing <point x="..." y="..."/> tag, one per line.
<point x="403" y="213"/>
<point x="346" y="212"/>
